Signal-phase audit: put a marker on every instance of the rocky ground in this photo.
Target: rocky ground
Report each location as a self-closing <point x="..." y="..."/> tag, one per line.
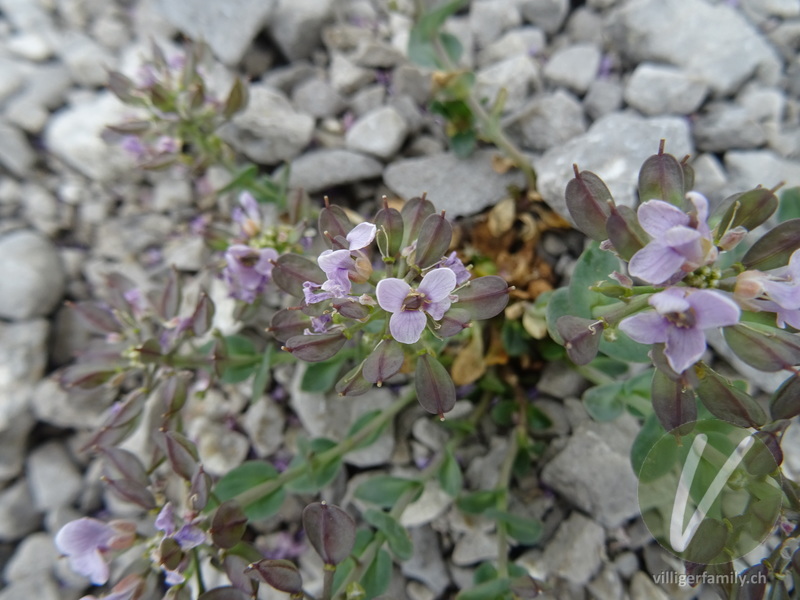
<point x="596" y="83"/>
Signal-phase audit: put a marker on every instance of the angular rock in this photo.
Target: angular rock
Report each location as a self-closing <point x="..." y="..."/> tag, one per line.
<point x="726" y="126"/>
<point x="763" y="104"/>
<point x="323" y="169"/>
<point x="525" y="41"/>
<point x="547" y="14"/>
<point x="489" y="19"/>
<point x="41" y="588"/>
<point x="221" y="449"/>
<point x="346" y="76"/>
<point x="380" y="132"/>
<point x="426" y="564"/>
<point x="295" y="26"/>
<point x="74" y="136"/>
<point x="125" y="237"/>
<point x="474" y="547"/>
<point x="551" y="119"/>
<point x="614" y="148"/>
<point x="585" y="25"/>
<point x="18" y="513"/>
<point x="88" y="62"/>
<point x="269" y="131"/>
<point x="412" y="81"/>
<point x="458" y="186"/>
<point x="642" y="586"/>
<point x="677" y="32"/>
<point x="709" y="176"/>
<point x="264" y="422"/>
<point x="573" y="67"/>
<point x="35" y="555"/>
<point x="16" y="153"/>
<point x="12" y="77"/>
<point x="31" y="275"/>
<point x="748" y="168"/>
<point x="78" y="409"/>
<point x="604" y="96"/>
<point x="576" y="551"/>
<point x="227" y="27"/>
<point x="595" y="476"/>
<point x="516" y="75"/>
<point x="316" y="97"/>
<point x="374" y="54"/>
<point x="664" y="90"/>
<point x="53" y="478"/>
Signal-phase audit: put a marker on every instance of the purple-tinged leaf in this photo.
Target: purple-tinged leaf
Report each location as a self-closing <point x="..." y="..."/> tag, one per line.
<point x="389" y="237"/>
<point x="453" y="322"/>
<point x="288" y="323"/>
<point x="727" y="402"/>
<point x="764" y="458"/>
<point x="673" y="403"/>
<point x="333" y="221"/>
<point x="436" y="391"/>
<point x="763" y="347"/>
<point x="97" y="318"/>
<point x="384" y="362"/>
<point x="785" y="402"/>
<point x="224" y="593"/>
<point x="484" y="297"/>
<point x="130" y="127"/>
<point x="131" y="491"/>
<point x="414" y="212"/>
<point x="86" y="376"/>
<point x="353" y="384"/>
<point x="292" y="270"/>
<point x="526" y="587"/>
<point x="581" y="337"/>
<point x="169" y="301"/>
<point x="174" y="391"/>
<point x="775" y="248"/>
<point x="589" y="203"/>
<point x="181" y="453"/>
<point x="624" y="231"/>
<point x="199" y="489"/>
<point x="281" y="574"/>
<point x="435" y="235"/>
<point x="661" y="178"/>
<point x="228" y="524"/>
<point x="124" y="463"/>
<point x="330" y="530"/>
<point x="236" y="568"/>
<point x="203" y="316"/>
<point x="315" y="348"/>
<point x="121" y="86"/>
<point x="350" y="309"/>
<point x="117" y="285"/>
<point x="688" y="175"/>
<point x="149" y="352"/>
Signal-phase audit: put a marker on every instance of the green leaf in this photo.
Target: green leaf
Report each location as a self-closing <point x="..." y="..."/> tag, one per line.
<point x="431" y="21"/>
<point x="558" y="306"/>
<point x="319" y="474"/>
<point x="525" y="531"/>
<point x="478" y="502"/>
<point x="450" y="477"/>
<point x="384" y="490"/>
<point x="485" y="572"/>
<point x="362" y="422"/>
<point x="245" y="477"/>
<point x="489" y="590"/>
<point x="262" y="375"/>
<point x="396" y="535"/>
<point x="463" y="143"/>
<point x="604" y="402"/>
<point x="378" y="575"/>
<point x="624" y="348"/>
<point x="593" y="266"/>
<point x="322" y="376"/>
<point x="239" y="347"/>
<point x="452" y="47"/>
<point x="789" y="207"/>
<point x="515" y="338"/>
<point x="648" y="435"/>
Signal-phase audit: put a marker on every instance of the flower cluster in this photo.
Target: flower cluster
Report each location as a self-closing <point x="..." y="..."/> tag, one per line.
<point x="680" y="284"/>
<point x="388" y="299"/>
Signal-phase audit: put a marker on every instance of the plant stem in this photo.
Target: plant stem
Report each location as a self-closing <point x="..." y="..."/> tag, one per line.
<point x="327" y="582"/>
<point x="339" y="450"/>
<point x="503" y="483"/>
<point x="616" y="312"/>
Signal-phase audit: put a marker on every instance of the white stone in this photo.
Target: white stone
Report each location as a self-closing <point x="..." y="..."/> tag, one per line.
<point x="16" y="153"/>
<point x="323" y="169"/>
<point x="220" y="448"/>
<point x="524" y="41"/>
<point x="516" y="75"/>
<point x="346" y="76"/>
<point x="88" y="62"/>
<point x="380" y="132"/>
<point x="295" y="26"/>
<point x="264" y="422"/>
<point x="574" y="67"/>
<point x="53" y="478"/>
<point x="489" y="19"/>
<point x="576" y="552"/>
<point x="18" y="513"/>
<point x="547" y="14"/>
<point x="30" y="46"/>
<point x="31" y="275"/>
<point x="36" y="554"/>
<point x="663" y="89"/>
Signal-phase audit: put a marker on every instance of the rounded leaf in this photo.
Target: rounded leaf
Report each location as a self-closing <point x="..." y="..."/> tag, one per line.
<point x="292" y="270"/>
<point x="484" y="297"/>
<point x="588" y="202"/>
<point x="385" y="361"/>
<point x="775" y="248"/>
<point x="661" y="178"/>
<point x="315" y="348"/>
<point x="281" y="574"/>
<point x="436" y="391"/>
<point x="228" y="524"/>
<point x="330" y="530"/>
<point x="433" y="240"/>
<point x="288" y="323"/>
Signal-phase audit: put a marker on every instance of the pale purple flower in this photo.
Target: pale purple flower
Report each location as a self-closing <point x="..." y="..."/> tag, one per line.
<point x="126" y="589"/>
<point x="248" y="270"/>
<point x="781" y="287"/>
<point x="88" y="542"/>
<point x="680" y="242"/>
<point x="134" y="146"/>
<point x="680" y="319"/>
<point x="247" y="216"/>
<point x="188" y="536"/>
<point x="319" y="324"/>
<point x="408" y="306"/>
<point x="341" y="268"/>
<point x="165" y="520"/>
<point x="454" y="263"/>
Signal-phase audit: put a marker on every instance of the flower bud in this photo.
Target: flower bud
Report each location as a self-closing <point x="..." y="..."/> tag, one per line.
<point x="292" y="270"/>
<point x="581" y="337"/>
<point x="484" y="297"/>
<point x="749" y="285"/>
<point x="433" y="240"/>
<point x="330" y="530"/>
<point x="281" y="574"/>
<point x="362" y="271"/>
<point x="436" y="392"/>
<point x="315" y="348"/>
<point x="228" y="525"/>
<point x="414" y="212"/>
<point x="384" y="362"/>
<point x="589" y="202"/>
<point x="732" y="237"/>
<point x="661" y="178"/>
<point x="390" y="231"/>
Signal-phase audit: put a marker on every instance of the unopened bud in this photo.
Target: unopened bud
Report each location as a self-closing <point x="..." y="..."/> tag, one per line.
<point x="732" y="238"/>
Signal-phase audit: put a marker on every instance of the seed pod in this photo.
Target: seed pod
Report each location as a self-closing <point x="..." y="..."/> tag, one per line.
<point x="661" y="178"/>
<point x="384" y="362"/>
<point x="236" y="568"/>
<point x="748" y="209"/>
<point x="99" y="319"/>
<point x="228" y="525"/>
<point x="237" y="99"/>
<point x="589" y="203"/>
<point x="86" y="376"/>
<point x="785" y="402"/>
<point x="121" y="86"/>
<point x="181" y="454"/>
<point x="624" y="231"/>
<point x="288" y="323"/>
<point x="728" y="403"/>
<point x="763" y="347"/>
<point x="433" y="240"/>
<point x="453" y="322"/>
<point x="281" y="574"/>
<point x="389" y="222"/>
<point x="131" y="491"/>
<point x="315" y="348"/>
<point x="203" y="316"/>
<point x="350" y="309"/>
<point x="484" y="297"/>
<point x="124" y="463"/>
<point x="673" y="403"/>
<point x="414" y="212"/>
<point x="330" y="530"/>
<point x="292" y="270"/>
<point x="436" y="391"/>
<point x="353" y="384"/>
<point x="174" y="391"/>
<point x="333" y="221"/>
<point x="581" y="337"/>
<point x="775" y="248"/>
<point x="751" y="584"/>
<point x="170" y="554"/>
<point x="199" y="489"/>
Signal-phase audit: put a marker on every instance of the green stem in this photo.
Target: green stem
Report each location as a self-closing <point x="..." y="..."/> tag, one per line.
<point x="201" y="586"/>
<point x="503" y="484"/>
<point x="327" y="582"/>
<point x="616" y="312"/>
<point x="339" y="450"/>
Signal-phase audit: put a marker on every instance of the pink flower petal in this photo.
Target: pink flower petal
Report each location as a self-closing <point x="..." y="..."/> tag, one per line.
<point x="406" y="326"/>
<point x="645" y="328"/>
<point x="671" y="300"/>
<point x="391" y="292"/>
<point x="437" y="309"/>
<point x="361" y="236"/>
<point x="685" y="346"/>
<point x="656" y="217"/>
<point x="713" y="309"/>
<point x="655" y="263"/>
<point x="438" y="284"/>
